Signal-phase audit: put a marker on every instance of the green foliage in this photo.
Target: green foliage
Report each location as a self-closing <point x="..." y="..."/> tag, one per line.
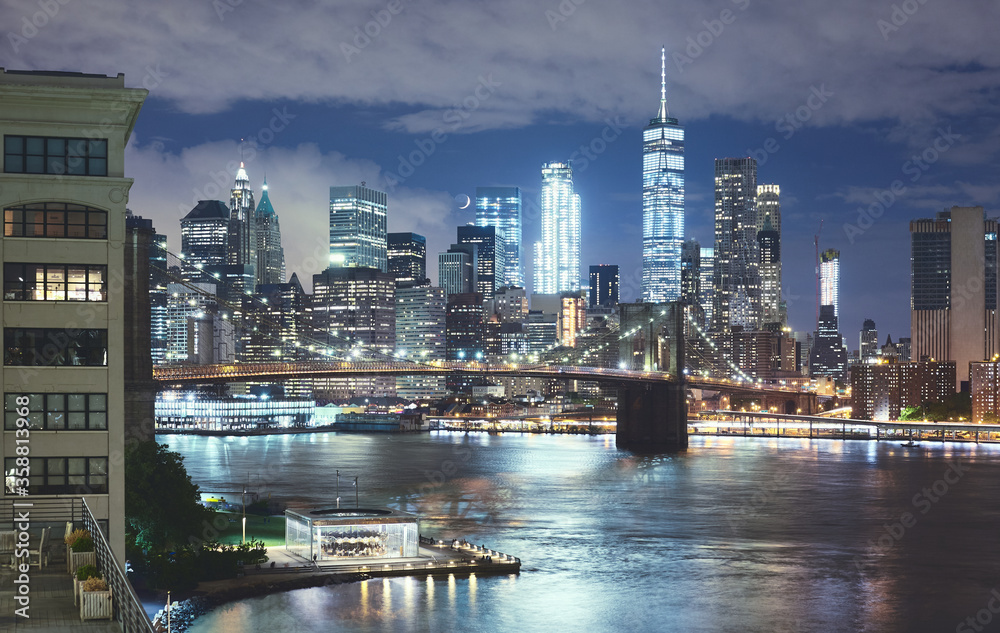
<point x="87" y="571"/>
<point x="161" y="501"/>
<point x="184" y="569"/>
<point x="955" y="406"/>
<point x="83" y="544"/>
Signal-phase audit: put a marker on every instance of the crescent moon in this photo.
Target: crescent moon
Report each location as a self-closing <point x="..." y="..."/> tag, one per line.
<point x="468" y="201"/>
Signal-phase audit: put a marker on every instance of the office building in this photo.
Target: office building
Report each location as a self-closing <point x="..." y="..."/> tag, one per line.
<point x="572" y="318"/>
<point x="407" y="258"/>
<point x="510" y="305"/>
<point x="242" y="239"/>
<point x="557" y="256"/>
<point x="68" y="235"/>
<point x="465" y="329"/>
<point x="662" y="201"/>
<point x="954" y="288"/>
<point x="828" y="356"/>
<point x="270" y="265"/>
<point x="158" y="280"/>
<point x="501" y="207"/>
<point x="420" y="336"/>
<point x="829" y="280"/>
<point x="769" y="247"/>
<point x="690" y="272"/>
<point x="736" y="278"/>
<point x="706" y="287"/>
<point x="604" y="283"/>
<point x="358" y="227"/>
<point x="541" y="331"/>
<point x="868" y="351"/>
<point x="205" y="237"/>
<point x="355" y="309"/>
<point x="489" y="244"/>
<point x="186" y="303"/>
<point x="457" y="268"/>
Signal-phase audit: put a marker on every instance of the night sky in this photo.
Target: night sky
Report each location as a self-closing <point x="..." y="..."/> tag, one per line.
<point x="834" y="99"/>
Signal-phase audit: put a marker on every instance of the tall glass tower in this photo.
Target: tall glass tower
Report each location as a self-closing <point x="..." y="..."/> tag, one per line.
<point x="829" y="279"/>
<point x="662" y="201"/>
<point x="358" y="235"/>
<point x="557" y="256"/>
<point x="737" y="256"/>
<point x="501" y="207"/>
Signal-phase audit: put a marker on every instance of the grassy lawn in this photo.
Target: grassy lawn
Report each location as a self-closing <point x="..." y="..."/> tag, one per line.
<point x="272" y="532"/>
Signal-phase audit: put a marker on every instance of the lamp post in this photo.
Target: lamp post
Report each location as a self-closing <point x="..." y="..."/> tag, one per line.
<point x="356" y="503"/>
<point x="338" y="489"/>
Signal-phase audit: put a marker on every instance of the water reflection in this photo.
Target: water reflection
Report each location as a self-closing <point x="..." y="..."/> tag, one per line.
<point x="734" y="534"/>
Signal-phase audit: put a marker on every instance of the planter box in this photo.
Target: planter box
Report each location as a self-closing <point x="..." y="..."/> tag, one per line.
<point x="76" y="560"/>
<point x="96" y="605"/>
<point x="76" y="591"/>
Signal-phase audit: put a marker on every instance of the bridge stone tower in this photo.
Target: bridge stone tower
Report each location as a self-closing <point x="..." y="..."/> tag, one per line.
<point x="652" y="417"/>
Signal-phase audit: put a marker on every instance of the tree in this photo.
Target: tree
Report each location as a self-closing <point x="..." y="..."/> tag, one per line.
<point x="161" y="502"/>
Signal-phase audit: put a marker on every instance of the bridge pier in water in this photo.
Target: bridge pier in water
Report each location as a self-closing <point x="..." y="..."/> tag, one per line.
<point x="652" y="418"/>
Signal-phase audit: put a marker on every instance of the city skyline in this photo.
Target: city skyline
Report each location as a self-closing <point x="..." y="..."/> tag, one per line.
<point x="833" y="137"/>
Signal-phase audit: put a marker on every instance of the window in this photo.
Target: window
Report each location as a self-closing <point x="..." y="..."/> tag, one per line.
<point x="58" y="411"/>
<point x="52" y="155"/>
<point x="55" y="347"/>
<point x="55" y="219"/>
<point x="57" y="475"/>
<point x="55" y="282"/>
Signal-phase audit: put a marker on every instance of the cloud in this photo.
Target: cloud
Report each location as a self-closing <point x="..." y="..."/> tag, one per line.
<point x="756" y="62"/>
<point x="168" y="185"/>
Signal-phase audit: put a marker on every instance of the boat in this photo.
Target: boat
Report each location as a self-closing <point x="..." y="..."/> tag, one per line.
<point x="910" y="444"/>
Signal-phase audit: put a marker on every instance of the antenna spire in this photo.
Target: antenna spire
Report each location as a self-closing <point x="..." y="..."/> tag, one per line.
<point x="664" y="112"/>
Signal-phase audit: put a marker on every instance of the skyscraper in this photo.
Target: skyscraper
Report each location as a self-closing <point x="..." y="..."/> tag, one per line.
<point x="829" y="279"/>
<point x="501" y="207"/>
<point x="242" y="224"/>
<point x="490" y="263"/>
<point x="954" y="288"/>
<point x="358" y="227"/>
<point x="604" y="282"/>
<point x="270" y="256"/>
<point x="420" y="336"/>
<point x="706" y="289"/>
<point x="869" y="342"/>
<point x="769" y="206"/>
<point x="662" y="201"/>
<point x="737" y="276"/>
<point x="407" y="258"/>
<point x="205" y="236"/>
<point x="769" y="247"/>
<point x="690" y="272"/>
<point x="557" y="257"/>
<point x="828" y="356"/>
<point x="457" y="269"/>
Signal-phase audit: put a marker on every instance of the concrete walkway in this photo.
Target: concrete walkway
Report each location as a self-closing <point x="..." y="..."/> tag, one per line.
<point x="51" y="607"/>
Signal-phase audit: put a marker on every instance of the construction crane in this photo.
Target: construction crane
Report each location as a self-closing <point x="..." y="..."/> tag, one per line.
<point x="816" y="244"/>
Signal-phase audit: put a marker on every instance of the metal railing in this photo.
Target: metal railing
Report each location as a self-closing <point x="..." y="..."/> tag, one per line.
<point x="56" y="510"/>
<point x="128" y="610"/>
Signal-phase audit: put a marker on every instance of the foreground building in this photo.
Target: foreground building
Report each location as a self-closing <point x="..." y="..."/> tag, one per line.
<point x="63" y="192"/>
<point x="881" y="391"/>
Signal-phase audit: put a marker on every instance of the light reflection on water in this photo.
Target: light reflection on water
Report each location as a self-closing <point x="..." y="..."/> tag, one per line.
<point x="747" y="534"/>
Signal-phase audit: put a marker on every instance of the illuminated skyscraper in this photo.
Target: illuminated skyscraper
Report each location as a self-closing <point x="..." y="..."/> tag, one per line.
<point x="557" y="256"/>
<point x="829" y="280"/>
<point x="358" y="227"/>
<point x="407" y="257"/>
<point x="489" y="243"/>
<point x="501" y="207"/>
<point x="769" y="246"/>
<point x="706" y="289"/>
<point x="737" y="275"/>
<point x="662" y="202"/>
<point x="604" y="282"/>
<point x="270" y="256"/>
<point x="242" y="224"/>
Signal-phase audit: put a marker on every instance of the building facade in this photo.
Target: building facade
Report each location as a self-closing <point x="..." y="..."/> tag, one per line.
<point x="242" y="240"/>
<point x="736" y="277"/>
<point x="501" y="207"/>
<point x="270" y="255"/>
<point x="868" y="350"/>
<point x="420" y="336"/>
<point x="557" y="256"/>
<point x="63" y="191"/>
<point x="881" y="391"/>
<point x="604" y="283"/>
<point x="490" y="263"/>
<point x="407" y="258"/>
<point x="769" y="247"/>
<point x="358" y="221"/>
<point x="829" y="280"/>
<point x="662" y="201"/>
<point x="954" y="288"/>
<point x="457" y="269"/>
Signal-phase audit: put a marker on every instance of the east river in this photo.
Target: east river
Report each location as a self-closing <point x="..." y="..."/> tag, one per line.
<point x="734" y="534"/>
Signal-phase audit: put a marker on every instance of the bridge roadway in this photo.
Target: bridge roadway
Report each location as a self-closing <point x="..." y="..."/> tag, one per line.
<point x="241" y="372"/>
